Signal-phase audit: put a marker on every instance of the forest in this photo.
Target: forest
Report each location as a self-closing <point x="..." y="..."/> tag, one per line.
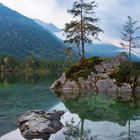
<point x="32" y="64"/>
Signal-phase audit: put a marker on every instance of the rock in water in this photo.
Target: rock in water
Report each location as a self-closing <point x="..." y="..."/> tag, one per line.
<point x="97" y="81"/>
<point x="39" y="124"/>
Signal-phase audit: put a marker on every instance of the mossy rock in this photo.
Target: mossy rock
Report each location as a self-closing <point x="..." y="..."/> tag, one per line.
<point x="83" y="69"/>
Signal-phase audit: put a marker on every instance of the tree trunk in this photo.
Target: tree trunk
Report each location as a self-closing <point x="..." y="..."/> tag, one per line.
<point x="82" y="33"/>
<point x="130" y="47"/>
<point x="134" y="85"/>
<point x="130" y="52"/>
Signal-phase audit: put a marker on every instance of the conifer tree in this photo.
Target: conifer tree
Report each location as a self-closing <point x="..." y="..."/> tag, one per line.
<point x="129" y="39"/>
<point x="83" y="29"/>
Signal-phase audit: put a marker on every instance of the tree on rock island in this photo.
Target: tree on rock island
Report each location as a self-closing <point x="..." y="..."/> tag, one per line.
<point x="83" y="29"/>
<point x="129" y="39"/>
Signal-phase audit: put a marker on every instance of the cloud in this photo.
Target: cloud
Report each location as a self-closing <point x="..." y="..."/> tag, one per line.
<point x="112" y="13"/>
<point x="46" y="10"/>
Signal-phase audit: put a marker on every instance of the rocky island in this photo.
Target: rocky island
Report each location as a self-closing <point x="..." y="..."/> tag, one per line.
<point x="116" y="75"/>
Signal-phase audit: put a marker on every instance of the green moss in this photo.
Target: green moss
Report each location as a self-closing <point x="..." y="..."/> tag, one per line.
<point x="81" y="73"/>
<point x="83" y="69"/>
<point x="126" y="73"/>
<point x="94" y="60"/>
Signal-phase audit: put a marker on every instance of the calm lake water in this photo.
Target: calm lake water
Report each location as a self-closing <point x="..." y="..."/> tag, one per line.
<point x="87" y="117"/>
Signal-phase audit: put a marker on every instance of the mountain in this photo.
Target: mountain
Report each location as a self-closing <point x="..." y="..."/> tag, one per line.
<point x="48" y="26"/>
<point x="108" y="50"/>
<point x="20" y="36"/>
<point x="103" y="50"/>
<point x="58" y="33"/>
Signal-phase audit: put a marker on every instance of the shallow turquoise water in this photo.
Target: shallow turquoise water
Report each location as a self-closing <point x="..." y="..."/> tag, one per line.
<point x="91" y="117"/>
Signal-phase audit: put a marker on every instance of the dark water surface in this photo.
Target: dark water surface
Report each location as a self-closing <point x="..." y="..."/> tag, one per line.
<point x="90" y="117"/>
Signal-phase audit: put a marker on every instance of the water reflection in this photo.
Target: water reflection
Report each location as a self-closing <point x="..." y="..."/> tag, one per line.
<point x="77" y="132"/>
<point x="7" y="78"/>
<point x="18" y="95"/>
<point x="88" y="117"/>
<point x="100" y="108"/>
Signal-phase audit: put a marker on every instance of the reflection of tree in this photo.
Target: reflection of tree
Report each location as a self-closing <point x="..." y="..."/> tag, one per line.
<point x="128" y="134"/>
<point x="9" y="79"/>
<point x="46" y="138"/>
<point x="129" y="130"/>
<point x="102" y="108"/>
<point x="76" y="131"/>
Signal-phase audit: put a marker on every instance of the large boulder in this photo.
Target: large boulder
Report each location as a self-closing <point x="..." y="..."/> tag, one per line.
<point x="99" y="68"/>
<point x="106" y="85"/>
<point x="58" y="83"/>
<point x="107" y="65"/>
<point x="137" y="91"/>
<point x="39" y="124"/>
<point x="125" y="88"/>
<point x="70" y="86"/>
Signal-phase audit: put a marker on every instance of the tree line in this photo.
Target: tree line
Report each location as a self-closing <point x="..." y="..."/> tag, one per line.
<point x="84" y="28"/>
<point x="32" y="64"/>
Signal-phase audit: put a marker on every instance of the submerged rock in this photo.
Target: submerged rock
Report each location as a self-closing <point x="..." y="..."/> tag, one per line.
<point x="39" y="124"/>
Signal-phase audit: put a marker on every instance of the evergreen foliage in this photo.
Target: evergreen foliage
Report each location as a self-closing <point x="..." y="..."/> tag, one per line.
<point x="84" y="28"/>
<point x="32" y="65"/>
<point x="129" y="39"/>
<point x="127" y="72"/>
<point x="83" y="69"/>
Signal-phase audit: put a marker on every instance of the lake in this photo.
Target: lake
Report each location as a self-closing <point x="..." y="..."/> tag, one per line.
<point x="88" y="117"/>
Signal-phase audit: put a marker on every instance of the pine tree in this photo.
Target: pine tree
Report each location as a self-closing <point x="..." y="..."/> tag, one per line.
<point x="129" y="39"/>
<point x="83" y="29"/>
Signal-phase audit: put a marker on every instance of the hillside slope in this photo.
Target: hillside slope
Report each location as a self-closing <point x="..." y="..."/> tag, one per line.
<point x="21" y="36"/>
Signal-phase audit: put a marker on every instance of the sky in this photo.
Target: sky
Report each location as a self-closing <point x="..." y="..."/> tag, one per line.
<point x="112" y="13"/>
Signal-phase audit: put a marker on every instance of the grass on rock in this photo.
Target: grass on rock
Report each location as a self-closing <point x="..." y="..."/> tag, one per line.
<point x="83" y="69"/>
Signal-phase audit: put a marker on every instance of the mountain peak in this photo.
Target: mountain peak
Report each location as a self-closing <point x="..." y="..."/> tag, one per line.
<point x="48" y="26"/>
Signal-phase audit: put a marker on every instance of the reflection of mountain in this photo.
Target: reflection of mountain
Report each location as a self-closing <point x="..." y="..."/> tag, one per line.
<point x="102" y="108"/>
<point x="20" y="98"/>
